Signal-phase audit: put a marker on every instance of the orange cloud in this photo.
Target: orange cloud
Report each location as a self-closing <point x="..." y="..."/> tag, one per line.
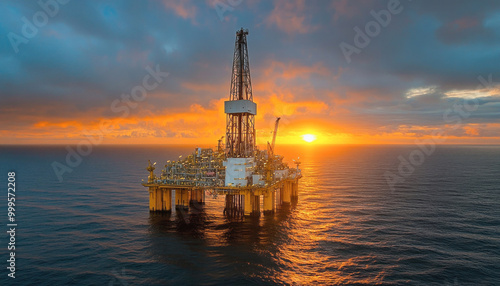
<point x="302" y="107"/>
<point x="471" y="131"/>
<point x="203" y="126"/>
<point x="280" y="106"/>
<point x="289" y="17"/>
<point x="293" y="70"/>
<point x="183" y="9"/>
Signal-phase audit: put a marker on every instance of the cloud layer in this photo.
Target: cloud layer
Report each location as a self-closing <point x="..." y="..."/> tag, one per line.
<point x="428" y="59"/>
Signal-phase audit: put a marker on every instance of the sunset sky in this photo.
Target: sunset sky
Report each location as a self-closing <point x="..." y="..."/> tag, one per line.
<point x="408" y="82"/>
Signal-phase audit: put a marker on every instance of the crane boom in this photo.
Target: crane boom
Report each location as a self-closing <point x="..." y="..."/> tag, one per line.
<point x="275" y="131"/>
<point x="270" y="154"/>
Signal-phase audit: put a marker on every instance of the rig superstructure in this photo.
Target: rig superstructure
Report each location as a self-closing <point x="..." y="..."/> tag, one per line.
<point x="236" y="169"/>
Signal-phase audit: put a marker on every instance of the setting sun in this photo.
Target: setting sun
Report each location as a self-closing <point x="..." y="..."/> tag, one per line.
<point x="308" y="137"/>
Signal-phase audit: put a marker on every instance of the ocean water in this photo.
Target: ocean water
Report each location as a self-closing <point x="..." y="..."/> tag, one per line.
<point x="441" y="226"/>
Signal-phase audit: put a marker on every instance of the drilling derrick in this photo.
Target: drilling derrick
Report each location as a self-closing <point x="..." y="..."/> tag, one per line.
<point x="240" y="109"/>
<point x="237" y="169"/>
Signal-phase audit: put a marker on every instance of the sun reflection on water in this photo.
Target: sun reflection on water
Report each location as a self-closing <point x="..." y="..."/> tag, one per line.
<point x="308" y="243"/>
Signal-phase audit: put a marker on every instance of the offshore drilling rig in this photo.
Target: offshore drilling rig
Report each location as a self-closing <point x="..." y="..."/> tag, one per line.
<point x="237" y="169"/>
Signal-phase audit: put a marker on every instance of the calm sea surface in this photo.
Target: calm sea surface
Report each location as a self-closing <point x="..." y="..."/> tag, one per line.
<point x="439" y="227"/>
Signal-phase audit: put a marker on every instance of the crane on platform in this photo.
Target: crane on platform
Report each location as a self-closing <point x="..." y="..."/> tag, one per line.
<point x="271" y="147"/>
<point x="270" y="153"/>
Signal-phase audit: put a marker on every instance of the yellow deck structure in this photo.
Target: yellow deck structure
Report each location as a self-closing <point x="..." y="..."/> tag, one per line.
<point x="239" y="201"/>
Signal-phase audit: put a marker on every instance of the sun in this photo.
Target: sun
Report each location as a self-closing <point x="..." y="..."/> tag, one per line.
<point x="308" y="137"/>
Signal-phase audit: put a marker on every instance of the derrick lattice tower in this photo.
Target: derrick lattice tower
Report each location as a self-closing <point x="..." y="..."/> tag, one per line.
<point x="240" y="109"/>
